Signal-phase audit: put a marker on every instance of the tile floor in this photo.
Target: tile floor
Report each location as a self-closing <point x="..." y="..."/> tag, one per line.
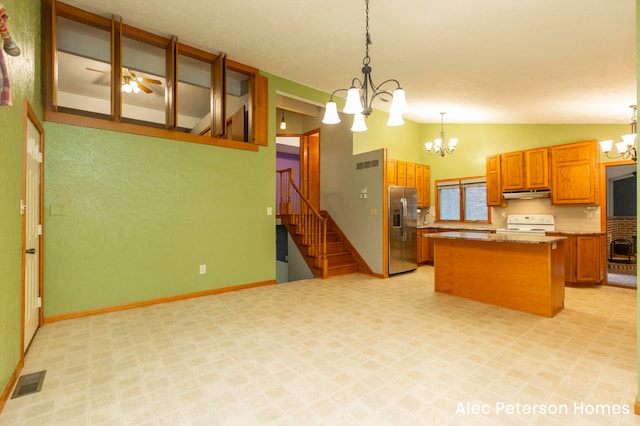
<point x="623" y="280"/>
<point x="352" y="350"/>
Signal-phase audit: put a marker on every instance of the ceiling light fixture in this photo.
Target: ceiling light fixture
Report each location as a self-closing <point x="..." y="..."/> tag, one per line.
<point x="130" y="84"/>
<point x="440" y="146"/>
<point x="283" y="124"/>
<point x="626" y="148"/>
<point x="359" y="99"/>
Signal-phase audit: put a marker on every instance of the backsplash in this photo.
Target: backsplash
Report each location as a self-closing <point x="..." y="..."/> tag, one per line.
<point x="585" y="218"/>
<point x="568" y="218"/>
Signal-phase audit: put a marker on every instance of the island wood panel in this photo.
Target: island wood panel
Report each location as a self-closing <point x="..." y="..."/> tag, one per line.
<point x="524" y="277"/>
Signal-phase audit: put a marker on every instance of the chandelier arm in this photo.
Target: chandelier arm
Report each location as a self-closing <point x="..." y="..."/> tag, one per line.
<point x="336" y="91"/>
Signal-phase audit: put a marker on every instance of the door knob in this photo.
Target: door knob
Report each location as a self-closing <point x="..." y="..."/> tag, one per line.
<point x="30" y="251"/>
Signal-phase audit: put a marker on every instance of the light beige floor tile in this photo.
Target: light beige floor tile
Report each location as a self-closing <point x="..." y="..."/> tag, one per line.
<point x="350" y="350"/>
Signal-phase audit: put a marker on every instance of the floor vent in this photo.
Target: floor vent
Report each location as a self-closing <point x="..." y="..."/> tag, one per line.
<point x="29" y="383"/>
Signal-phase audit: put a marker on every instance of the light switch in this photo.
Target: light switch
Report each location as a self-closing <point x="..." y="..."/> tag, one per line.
<point x="269" y="211"/>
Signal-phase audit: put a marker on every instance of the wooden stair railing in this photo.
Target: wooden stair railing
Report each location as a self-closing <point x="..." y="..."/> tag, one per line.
<point x="325" y="249"/>
<point x="306" y="224"/>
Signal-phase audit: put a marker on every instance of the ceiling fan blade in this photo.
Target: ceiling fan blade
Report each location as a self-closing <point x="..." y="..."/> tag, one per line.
<point x="144" y="88"/>
<point x="149" y="80"/>
<point x="104" y="72"/>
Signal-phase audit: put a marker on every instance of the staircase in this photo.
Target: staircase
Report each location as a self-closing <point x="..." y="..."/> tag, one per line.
<point x="324" y="247"/>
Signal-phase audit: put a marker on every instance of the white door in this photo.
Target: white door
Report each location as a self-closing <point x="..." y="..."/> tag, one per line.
<point x="32" y="232"/>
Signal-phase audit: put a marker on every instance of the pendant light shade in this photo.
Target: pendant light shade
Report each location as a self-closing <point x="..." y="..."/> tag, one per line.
<point x="354" y="105"/>
<point x="358" y="123"/>
<point x="331" y="113"/>
<point x="283" y="124"/>
<point x="626" y="148"/>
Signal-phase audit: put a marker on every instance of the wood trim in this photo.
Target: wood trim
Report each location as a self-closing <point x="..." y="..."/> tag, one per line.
<point x="636" y="406"/>
<point x="126" y="306"/>
<point x="82" y="16"/>
<point x="96" y="123"/>
<point x="603" y="189"/>
<point x="30" y="116"/>
<point x="12" y="381"/>
<point x="385" y="216"/>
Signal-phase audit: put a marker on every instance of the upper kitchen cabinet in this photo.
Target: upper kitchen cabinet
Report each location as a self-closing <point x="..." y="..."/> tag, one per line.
<point x="401" y="173"/>
<point x="575" y="172"/>
<point x="494" y="181"/>
<point x="392" y="166"/>
<point x="405" y="173"/>
<point x="525" y="169"/>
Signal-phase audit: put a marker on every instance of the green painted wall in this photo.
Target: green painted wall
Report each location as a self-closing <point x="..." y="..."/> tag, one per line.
<point x="131" y="218"/>
<point x="24" y="73"/>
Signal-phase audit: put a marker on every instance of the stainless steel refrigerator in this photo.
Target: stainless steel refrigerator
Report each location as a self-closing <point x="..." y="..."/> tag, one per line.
<point x="403" y="222"/>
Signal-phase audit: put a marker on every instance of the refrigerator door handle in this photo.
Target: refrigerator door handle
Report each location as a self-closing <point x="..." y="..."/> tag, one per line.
<point x="403" y="215"/>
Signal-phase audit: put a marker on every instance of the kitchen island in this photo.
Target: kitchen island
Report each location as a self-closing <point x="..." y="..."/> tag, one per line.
<point x="521" y="272"/>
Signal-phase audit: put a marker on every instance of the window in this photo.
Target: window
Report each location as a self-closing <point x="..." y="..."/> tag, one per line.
<point x="105" y="74"/>
<point x="462" y="200"/>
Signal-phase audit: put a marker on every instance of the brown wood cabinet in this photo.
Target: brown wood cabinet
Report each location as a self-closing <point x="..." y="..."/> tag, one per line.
<point x="392" y="169"/>
<point x="585" y="257"/>
<point x="420" y="184"/>
<point x="536" y="163"/>
<point x="512" y="164"/>
<point x="401" y="173"/>
<point x="575" y="173"/>
<point x="423" y="246"/>
<point x="405" y="173"/>
<point x="411" y="174"/>
<point x="525" y="169"/>
<point x="494" y="181"/>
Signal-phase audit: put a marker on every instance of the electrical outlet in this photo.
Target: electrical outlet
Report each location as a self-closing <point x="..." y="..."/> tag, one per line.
<point x="203" y="269"/>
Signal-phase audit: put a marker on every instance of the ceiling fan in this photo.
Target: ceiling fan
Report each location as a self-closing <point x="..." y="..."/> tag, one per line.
<point x="131" y="83"/>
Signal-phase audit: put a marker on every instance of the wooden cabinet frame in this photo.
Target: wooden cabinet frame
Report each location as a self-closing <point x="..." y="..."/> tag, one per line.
<point x="258" y="85"/>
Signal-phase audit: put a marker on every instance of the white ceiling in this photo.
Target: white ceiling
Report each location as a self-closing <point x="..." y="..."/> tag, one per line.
<point x="481" y="61"/>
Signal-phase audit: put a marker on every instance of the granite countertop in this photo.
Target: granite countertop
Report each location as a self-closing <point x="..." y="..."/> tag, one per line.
<point x="579" y="232"/>
<point x="498" y="238"/>
<point x="466" y="227"/>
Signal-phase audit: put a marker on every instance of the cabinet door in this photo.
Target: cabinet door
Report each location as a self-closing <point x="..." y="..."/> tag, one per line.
<point x="420" y="184"/>
<point x="588" y="258"/>
<point x="513" y="170"/>
<point x="411" y="174"/>
<point x="494" y="181"/>
<point x="423" y="246"/>
<point x="401" y="173"/>
<point x="536" y="164"/>
<point x="426" y="189"/>
<point x="391" y="172"/>
<point x="430" y="247"/>
<point x="574" y="173"/>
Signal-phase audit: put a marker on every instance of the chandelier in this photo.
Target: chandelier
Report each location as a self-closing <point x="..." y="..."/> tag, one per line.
<point x="362" y="93"/>
<point x="440" y="146"/>
<point x="626" y="148"/>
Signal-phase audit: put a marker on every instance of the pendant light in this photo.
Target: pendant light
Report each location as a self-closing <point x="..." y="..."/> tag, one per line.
<point x="363" y="91"/>
<point x="283" y="124"/>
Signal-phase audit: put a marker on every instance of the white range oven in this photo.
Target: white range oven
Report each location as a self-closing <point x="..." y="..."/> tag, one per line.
<point x="528" y="224"/>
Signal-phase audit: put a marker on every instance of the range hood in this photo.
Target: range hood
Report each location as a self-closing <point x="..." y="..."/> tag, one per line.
<point x="526" y="194"/>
